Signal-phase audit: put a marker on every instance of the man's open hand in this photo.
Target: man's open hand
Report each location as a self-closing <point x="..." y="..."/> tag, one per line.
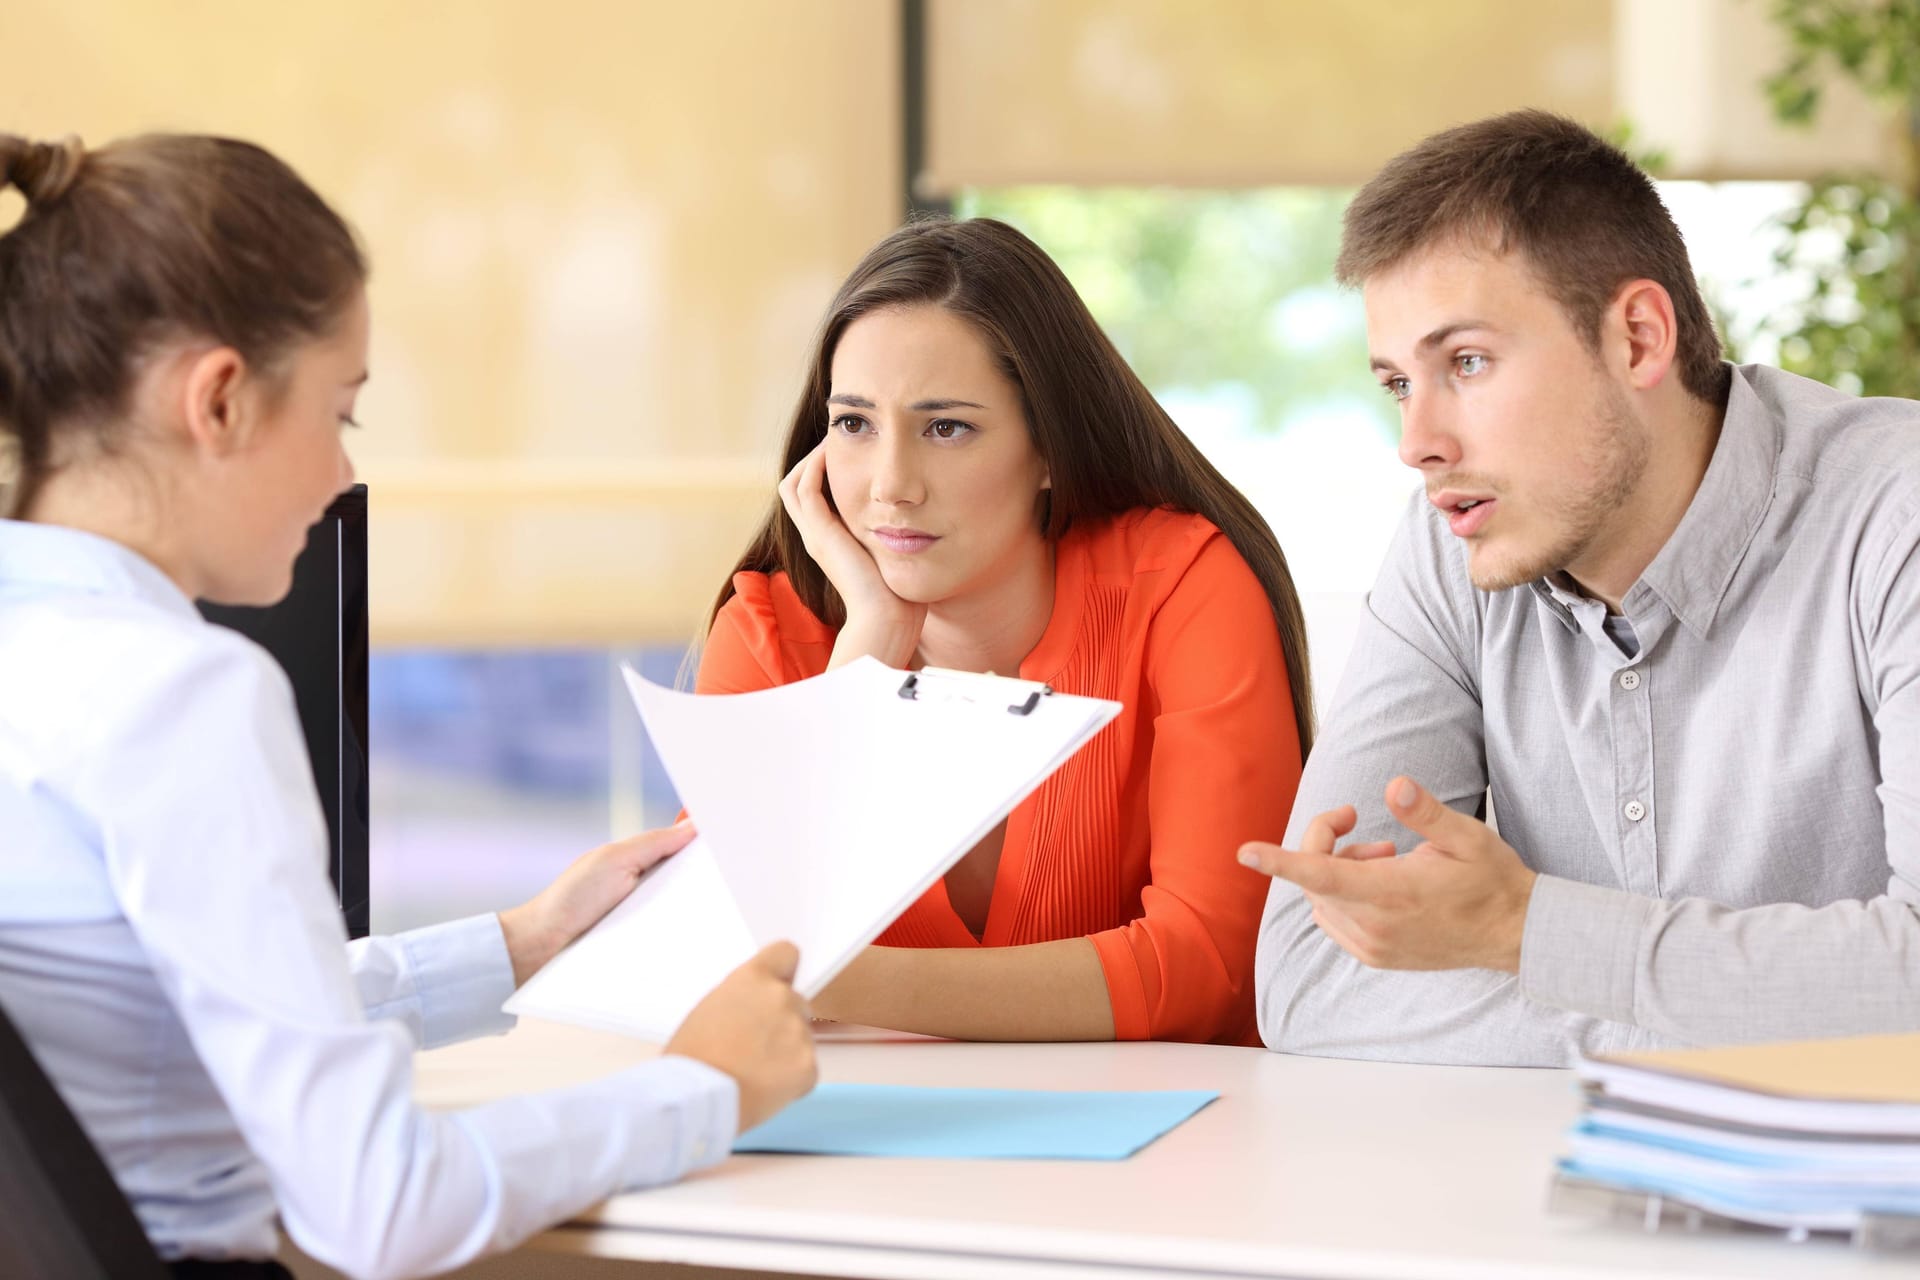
<point x="1458" y="900"/>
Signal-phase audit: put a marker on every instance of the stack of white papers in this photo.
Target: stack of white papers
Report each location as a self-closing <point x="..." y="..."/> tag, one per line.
<point x="1809" y="1136"/>
<point x="825" y="808"/>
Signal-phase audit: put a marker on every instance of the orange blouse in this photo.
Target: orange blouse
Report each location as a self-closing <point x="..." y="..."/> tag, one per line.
<point x="1131" y="842"/>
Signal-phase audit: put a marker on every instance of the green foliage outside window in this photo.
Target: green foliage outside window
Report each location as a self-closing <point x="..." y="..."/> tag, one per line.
<point x="1207" y="292"/>
<point x="1856" y="238"/>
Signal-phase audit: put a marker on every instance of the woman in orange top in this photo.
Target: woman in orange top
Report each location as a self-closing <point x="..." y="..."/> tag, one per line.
<point x="976" y="480"/>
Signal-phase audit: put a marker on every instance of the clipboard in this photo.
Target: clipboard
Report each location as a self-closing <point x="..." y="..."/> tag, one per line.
<point x="934" y="683"/>
<point x="825" y="808"/>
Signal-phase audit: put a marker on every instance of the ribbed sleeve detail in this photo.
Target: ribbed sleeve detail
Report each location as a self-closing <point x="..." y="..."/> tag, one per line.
<point x="1074" y="883"/>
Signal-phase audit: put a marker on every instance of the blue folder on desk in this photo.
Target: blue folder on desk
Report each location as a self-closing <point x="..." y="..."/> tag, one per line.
<point x="980" y="1124"/>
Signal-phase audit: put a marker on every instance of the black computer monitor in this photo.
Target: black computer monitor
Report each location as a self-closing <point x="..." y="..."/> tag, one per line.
<point x="319" y="634"/>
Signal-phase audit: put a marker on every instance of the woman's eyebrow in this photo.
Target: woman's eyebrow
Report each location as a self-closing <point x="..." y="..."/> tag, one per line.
<point x="919" y="406"/>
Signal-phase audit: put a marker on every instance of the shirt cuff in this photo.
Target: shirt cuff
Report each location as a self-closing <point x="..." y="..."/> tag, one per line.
<point x="1125" y="990"/>
<point x="1581" y="947"/>
<point x="711" y="1110"/>
<point x="461" y="976"/>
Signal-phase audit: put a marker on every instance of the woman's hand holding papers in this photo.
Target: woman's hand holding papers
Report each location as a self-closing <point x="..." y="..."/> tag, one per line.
<point x="593" y="885"/>
<point x="879" y="623"/>
<point x="755" y="1028"/>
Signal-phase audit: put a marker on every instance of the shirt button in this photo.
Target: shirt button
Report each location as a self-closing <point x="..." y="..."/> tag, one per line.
<point x="1635" y="811"/>
<point x="1629" y="680"/>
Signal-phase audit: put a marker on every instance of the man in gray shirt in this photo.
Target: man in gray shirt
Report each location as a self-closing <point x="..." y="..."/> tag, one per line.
<point x="1663" y="612"/>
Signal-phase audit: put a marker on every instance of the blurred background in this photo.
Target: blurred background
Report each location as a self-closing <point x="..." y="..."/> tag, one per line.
<point x="603" y="232"/>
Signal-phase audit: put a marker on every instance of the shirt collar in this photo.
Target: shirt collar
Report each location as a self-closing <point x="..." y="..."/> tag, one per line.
<point x="1556" y="601"/>
<point x="1693" y="570"/>
<point x="72" y="560"/>
<point x="1695" y="567"/>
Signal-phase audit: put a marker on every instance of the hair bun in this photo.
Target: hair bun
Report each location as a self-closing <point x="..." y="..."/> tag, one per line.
<point x="42" y="170"/>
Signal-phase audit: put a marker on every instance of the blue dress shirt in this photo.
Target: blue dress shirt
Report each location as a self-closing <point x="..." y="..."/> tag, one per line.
<point x="171" y="950"/>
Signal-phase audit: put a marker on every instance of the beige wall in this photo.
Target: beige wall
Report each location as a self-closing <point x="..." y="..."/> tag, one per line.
<point x="1688" y="73"/>
<point x="1267" y="92"/>
<point x="1241" y="92"/>
<point x="601" y="234"/>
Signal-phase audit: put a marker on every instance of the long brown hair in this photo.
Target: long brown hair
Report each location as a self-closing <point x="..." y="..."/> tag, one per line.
<point x="139" y="243"/>
<point x="1108" y="445"/>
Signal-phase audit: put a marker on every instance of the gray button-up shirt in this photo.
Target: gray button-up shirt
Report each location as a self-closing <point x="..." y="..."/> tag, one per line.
<point x="1727" y="824"/>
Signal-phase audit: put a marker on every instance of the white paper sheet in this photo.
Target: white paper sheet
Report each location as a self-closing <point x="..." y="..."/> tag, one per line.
<point x="825" y="808"/>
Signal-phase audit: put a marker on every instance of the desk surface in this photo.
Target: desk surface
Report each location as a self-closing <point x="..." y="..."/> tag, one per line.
<point x="1303" y="1168"/>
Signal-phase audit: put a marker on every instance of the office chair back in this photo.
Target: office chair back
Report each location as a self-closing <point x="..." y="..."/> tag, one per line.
<point x="61" y="1212"/>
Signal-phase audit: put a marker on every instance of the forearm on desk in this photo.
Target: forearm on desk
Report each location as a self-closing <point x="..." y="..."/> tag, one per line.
<point x="1044" y="991"/>
<point x="1317" y="1000"/>
<point x="1693" y="971"/>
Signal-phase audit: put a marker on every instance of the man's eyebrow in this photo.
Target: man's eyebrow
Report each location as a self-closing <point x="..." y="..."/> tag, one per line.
<point x="1383" y="365"/>
<point x="1446" y="331"/>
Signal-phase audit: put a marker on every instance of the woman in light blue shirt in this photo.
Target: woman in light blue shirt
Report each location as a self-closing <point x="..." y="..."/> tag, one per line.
<point x="183" y="331"/>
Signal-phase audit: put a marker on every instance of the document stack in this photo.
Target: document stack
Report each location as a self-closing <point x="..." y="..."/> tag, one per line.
<point x="1812" y="1136"/>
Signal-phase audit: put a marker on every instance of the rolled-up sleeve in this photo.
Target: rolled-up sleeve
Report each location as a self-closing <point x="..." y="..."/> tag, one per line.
<point x="444" y="983"/>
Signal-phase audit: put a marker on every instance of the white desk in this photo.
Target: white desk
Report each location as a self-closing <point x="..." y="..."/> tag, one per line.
<point x="1303" y="1168"/>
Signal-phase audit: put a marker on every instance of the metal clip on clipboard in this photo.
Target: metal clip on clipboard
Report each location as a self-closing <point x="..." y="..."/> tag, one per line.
<point x="1019" y="697"/>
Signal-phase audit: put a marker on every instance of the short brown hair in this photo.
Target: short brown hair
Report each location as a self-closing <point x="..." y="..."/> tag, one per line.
<point x="1108" y="445"/>
<point x="1584" y="216"/>
<point x="142" y="242"/>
